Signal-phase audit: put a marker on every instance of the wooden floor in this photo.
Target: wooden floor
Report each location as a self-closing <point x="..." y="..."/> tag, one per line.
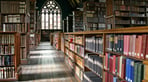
<point x="46" y="65"/>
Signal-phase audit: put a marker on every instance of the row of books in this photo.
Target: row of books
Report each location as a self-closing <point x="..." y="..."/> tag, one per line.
<point x="129" y="8"/>
<point x="67" y="44"/>
<point x="69" y="53"/>
<point x="23" y="53"/>
<point x="69" y="62"/>
<point x="91" y="77"/>
<point x="79" y="50"/>
<point x="127" y="2"/>
<point x="13" y="19"/>
<point x="7" y="72"/>
<point x="126" y="68"/>
<point x="13" y="7"/>
<point x="72" y="46"/>
<point x="6" y="39"/>
<point x="79" y="39"/>
<point x="127" y="14"/>
<point x="91" y="26"/>
<point x="94" y="15"/>
<point x="14" y="28"/>
<point x="95" y="63"/>
<point x="130" y="45"/>
<point x="135" y="21"/>
<point x="79" y="61"/>
<point x="7" y="49"/>
<point x="128" y="21"/>
<point x="23" y="40"/>
<point x="94" y="44"/>
<point x="78" y="72"/>
<point x="134" y="70"/>
<point x="121" y="21"/>
<point x="78" y="21"/>
<point x="6" y="60"/>
<point x="108" y="77"/>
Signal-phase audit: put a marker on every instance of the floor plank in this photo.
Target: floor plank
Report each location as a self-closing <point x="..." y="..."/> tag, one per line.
<point x="46" y="65"/>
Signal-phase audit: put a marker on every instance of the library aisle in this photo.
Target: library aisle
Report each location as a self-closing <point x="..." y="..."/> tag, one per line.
<point x="46" y="65"/>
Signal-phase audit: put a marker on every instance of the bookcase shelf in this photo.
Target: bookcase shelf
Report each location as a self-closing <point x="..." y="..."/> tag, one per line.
<point x="9" y="58"/>
<point x="15" y="19"/>
<point x="131" y="31"/>
<point x="114" y="75"/>
<point x="99" y="54"/>
<point x="120" y="54"/>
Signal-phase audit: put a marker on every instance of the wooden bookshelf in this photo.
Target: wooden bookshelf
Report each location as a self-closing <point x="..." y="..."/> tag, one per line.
<point x="13" y="55"/>
<point x="14" y="20"/>
<point x="94" y="13"/>
<point x="55" y="39"/>
<point x="32" y="29"/>
<point x="126" y="13"/>
<point x="69" y="38"/>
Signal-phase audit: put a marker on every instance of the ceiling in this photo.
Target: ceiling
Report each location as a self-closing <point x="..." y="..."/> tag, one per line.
<point x="67" y="6"/>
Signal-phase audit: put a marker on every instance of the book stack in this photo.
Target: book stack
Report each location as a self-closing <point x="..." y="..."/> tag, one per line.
<point x="79" y="50"/>
<point x="79" y="61"/>
<point x="91" y="77"/>
<point x="7" y="72"/>
<point x="78" y="72"/>
<point x="94" y="15"/>
<point x="78" y="21"/>
<point x="13" y="6"/>
<point x="95" y="63"/>
<point x="128" y="69"/>
<point x="129" y="45"/>
<point x="9" y="57"/>
<point x="94" y="44"/>
<point x="79" y="40"/>
<point x="108" y="77"/>
<point x="115" y="64"/>
<point x="126" y="13"/>
<point x="15" y="19"/>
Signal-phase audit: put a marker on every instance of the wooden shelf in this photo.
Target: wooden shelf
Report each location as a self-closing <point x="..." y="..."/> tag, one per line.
<point x="69" y="57"/>
<point x="8" y="80"/>
<point x="114" y="75"/>
<point x="13" y="13"/>
<point x="74" y="43"/>
<point x="94" y="53"/>
<point x="140" y="29"/>
<point x="7" y="54"/>
<point x="13" y="23"/>
<point x="119" y="54"/>
<point x="7" y="66"/>
<point x="145" y="81"/>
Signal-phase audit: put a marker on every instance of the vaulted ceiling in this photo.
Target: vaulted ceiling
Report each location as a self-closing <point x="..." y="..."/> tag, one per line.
<point x="66" y="5"/>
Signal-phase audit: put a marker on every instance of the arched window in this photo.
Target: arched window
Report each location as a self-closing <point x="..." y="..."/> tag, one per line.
<point x="51" y="16"/>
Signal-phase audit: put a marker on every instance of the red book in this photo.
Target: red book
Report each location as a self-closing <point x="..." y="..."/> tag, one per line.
<point x="140" y="45"/>
<point x="136" y="45"/>
<point x="143" y="49"/>
<point x="114" y="64"/>
<point x="106" y="77"/>
<point x="146" y="56"/>
<point x="106" y="61"/>
<point x="128" y="44"/>
<point x="110" y="64"/>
